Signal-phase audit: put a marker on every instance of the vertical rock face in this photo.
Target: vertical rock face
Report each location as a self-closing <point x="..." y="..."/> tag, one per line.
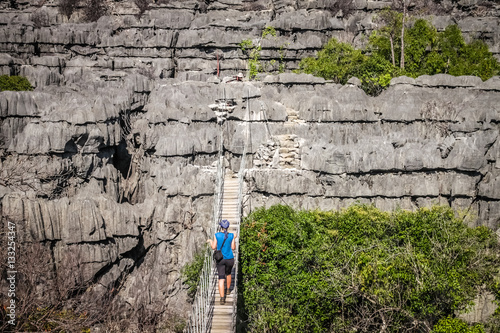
<point x="111" y="158"/>
<point x="76" y="175"/>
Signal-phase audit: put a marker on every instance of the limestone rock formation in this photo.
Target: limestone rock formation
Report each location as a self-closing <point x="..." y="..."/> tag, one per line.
<point x="111" y="157"/>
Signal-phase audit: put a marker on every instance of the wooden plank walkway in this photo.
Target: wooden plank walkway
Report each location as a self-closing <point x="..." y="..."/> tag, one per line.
<point x="222" y="315"/>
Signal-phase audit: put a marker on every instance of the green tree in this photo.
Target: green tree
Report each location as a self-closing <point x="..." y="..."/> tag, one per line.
<point x="336" y="61"/>
<point x="387" y="38"/>
<point x="449" y="48"/>
<point x="452" y="55"/>
<point x="420" y="38"/>
<point x="426" y="52"/>
<point x="361" y="269"/>
<point x="340" y="61"/>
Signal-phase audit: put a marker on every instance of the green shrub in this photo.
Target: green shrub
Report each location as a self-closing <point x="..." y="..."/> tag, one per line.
<point x="14" y="83"/>
<point x="246" y="44"/>
<point x="191" y="273"/>
<point x="426" y="52"/>
<point x="361" y="269"/>
<point x="455" y="325"/>
<point x="255" y="64"/>
<point x="336" y="61"/>
<point x="269" y="31"/>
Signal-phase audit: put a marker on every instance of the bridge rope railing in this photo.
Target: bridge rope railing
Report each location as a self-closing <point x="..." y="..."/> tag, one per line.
<point x="241" y="183"/>
<point x="203" y="305"/>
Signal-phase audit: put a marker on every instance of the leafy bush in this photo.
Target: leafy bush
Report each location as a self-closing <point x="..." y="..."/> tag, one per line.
<point x="255" y="64"/>
<point x="246" y="44"/>
<point x="453" y="56"/>
<point x="426" y="51"/>
<point x="455" y="325"/>
<point x="191" y="273"/>
<point x="14" y="83"/>
<point x="268" y="31"/>
<point x="430" y="52"/>
<point x="336" y="61"/>
<point x="361" y="270"/>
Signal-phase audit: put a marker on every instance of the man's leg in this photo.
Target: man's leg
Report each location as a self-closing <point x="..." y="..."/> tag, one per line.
<point x="229" y="268"/>
<point x="221" y="287"/>
<point x="228" y="282"/>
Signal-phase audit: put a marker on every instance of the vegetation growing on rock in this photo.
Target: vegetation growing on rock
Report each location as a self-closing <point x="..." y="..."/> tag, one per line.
<point x="449" y="324"/>
<point x="424" y="51"/>
<point x="362" y="269"/>
<point x="14" y="83"/>
<point x="191" y="273"/>
<point x="255" y="64"/>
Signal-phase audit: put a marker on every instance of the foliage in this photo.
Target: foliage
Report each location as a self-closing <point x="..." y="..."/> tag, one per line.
<point x="255" y="64"/>
<point x="336" y="61"/>
<point x="14" y="83"/>
<point x="418" y="39"/>
<point x="426" y="51"/>
<point x="269" y="31"/>
<point x="388" y="37"/>
<point x="246" y="44"/>
<point x="94" y="9"/>
<point x="455" y="325"/>
<point x="191" y="273"/>
<point x="458" y="58"/>
<point x="340" y="61"/>
<point x="361" y="269"/>
<point x="68" y="7"/>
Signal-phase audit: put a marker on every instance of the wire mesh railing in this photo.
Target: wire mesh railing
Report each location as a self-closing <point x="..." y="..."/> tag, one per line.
<point x="241" y="183"/>
<point x="201" y="315"/>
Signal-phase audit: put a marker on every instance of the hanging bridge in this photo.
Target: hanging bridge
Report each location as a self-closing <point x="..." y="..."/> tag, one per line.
<point x="208" y="316"/>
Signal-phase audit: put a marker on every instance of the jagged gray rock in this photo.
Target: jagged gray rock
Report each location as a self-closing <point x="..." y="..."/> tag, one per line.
<point x="111" y="157"/>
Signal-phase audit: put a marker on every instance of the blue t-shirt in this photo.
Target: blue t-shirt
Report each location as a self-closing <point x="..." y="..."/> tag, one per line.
<point x="227" y="253"/>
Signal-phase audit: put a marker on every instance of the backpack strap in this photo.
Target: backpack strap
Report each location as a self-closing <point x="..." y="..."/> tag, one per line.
<point x="225" y="237"/>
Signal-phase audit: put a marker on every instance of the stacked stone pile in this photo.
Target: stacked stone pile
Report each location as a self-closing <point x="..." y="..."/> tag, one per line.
<point x="282" y="151"/>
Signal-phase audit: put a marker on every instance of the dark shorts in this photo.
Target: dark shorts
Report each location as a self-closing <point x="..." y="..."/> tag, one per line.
<point x="224" y="267"/>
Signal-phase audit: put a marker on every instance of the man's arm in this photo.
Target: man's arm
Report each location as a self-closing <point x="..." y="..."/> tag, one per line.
<point x="213" y="243"/>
